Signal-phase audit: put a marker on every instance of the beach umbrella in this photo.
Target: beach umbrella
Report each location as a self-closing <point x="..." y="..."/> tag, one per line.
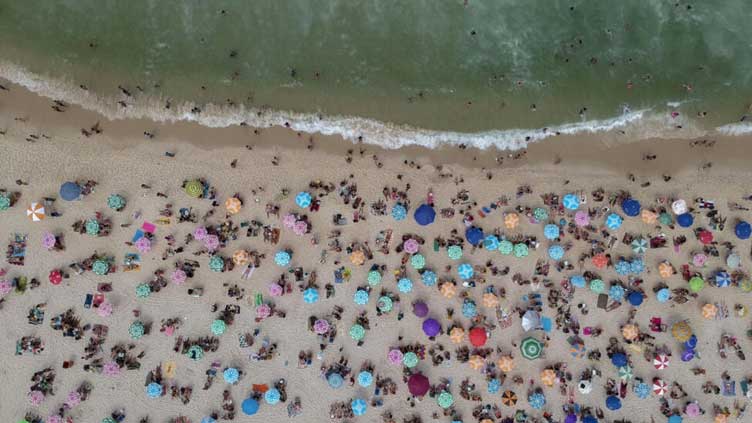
<point x="540" y="214"/>
<point x="374" y="277"/>
<point x="55" y="277"/>
<point x="35" y="212"/>
<point x="597" y="286"/>
<point x="310" y="295"/>
<point x="530" y="320"/>
<point x="490" y="300"/>
<point x="599" y="261"/>
<point x="365" y="378"/>
<point x="476" y="362"/>
<point x="639" y="245"/>
<point x="208" y="419"/>
<point x="241" y="257"/>
<point x="445" y="399"/>
<point x="619" y="359"/>
<point x="282" y="258"/>
<point x="509" y="398"/>
<point x="659" y="387"/>
<point x="263" y="311"/>
<point x="357" y="258"/>
<point x="92" y="227"/>
<point x="321" y="326"/>
<point x="200" y="233"/>
<point x="722" y="279"/>
<point x="577" y="349"/>
<point x="745" y="285"/>
<point x="705" y="237"/>
<point x="506" y="247"/>
<point x="577" y="281"/>
<point x="104" y="309"/>
<point x="465" y="271"/>
<point x="420" y="309"/>
<point x="431" y="327"/>
<point x="143" y="290"/>
<point x="116" y="202"/>
<point x="111" y="369"/>
<point x="505" y="363"/>
<point x="699" y="259"/>
<point x="685" y="220"/>
<point x="399" y="212"/>
<point x="48" y="240"/>
<point x="136" y="330"/>
<point x="585" y="386"/>
<point x="250" y="406"/>
<point x="385" y="304"/>
<point x="548" y="377"/>
<point x="520" y="250"/>
<point x="35" y="397"/>
<point x="743" y="230"/>
<point x="556" y="252"/>
<point x="100" y="267"/>
<point x="178" y="276"/>
<point x="4" y="201"/>
<point x="709" y="311"/>
<point x="613" y="403"/>
<point x="531" y="348"/>
<point x="303" y="199"/>
<point x="272" y="396"/>
<point x="622" y="267"/>
<point x="143" y="244"/>
<point x="335" y="380"/>
<point x="418" y="385"/>
<point x="231" y="375"/>
<point x="448" y="290"/>
<point x="675" y="418"/>
<point x="424" y="215"/>
<point x="417" y="261"/>
<point x="474" y="235"/>
<point x="733" y="261"/>
<point x="216" y="264"/>
<point x="233" y="205"/>
<point x="469" y="309"/>
<point x="631" y="207"/>
<point x="679" y="207"/>
<point x="194" y="188"/>
<point x="358" y="406"/>
<point x="357" y="332"/>
<point x="661" y="361"/>
<point x="696" y="283"/>
<point x="537" y="400"/>
<point x="154" y="390"/>
<point x="405" y="285"/>
<point x="571" y="202"/>
<point x="361" y="297"/>
<point x="457" y="335"/>
<point x="551" y="231"/>
<point x="616" y="292"/>
<point x="70" y="191"/>
<point x="692" y="409"/>
<point x="665" y="269"/>
<point x="642" y="390"/>
<point x="511" y="220"/>
<point x="395" y="356"/>
<point x="625" y="373"/>
<point x="300" y="228"/>
<point x="630" y="332"/>
<point x="478" y="336"/>
<point x="454" y="252"/>
<point x="665" y="219"/>
<point x="719" y="418"/>
<point x="218" y="327"/>
<point x="648" y="216"/>
<point x="410" y="359"/>
<point x="494" y="385"/>
<point x="411" y="246"/>
<point x="635" y="298"/>
<point x="581" y="218"/>
<point x="211" y="242"/>
<point x="681" y="331"/>
<point x="613" y="221"/>
<point x="491" y="243"/>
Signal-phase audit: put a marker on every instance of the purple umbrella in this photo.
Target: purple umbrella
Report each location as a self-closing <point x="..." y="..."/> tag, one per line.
<point x="143" y="245"/>
<point x="48" y="240"/>
<point x="571" y="418"/>
<point x="431" y="327"/>
<point x="420" y="309"/>
<point x="178" y="277"/>
<point x="321" y="326"/>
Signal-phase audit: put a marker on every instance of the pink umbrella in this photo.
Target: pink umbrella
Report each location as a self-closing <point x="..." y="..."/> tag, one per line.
<point x="178" y="277"/>
<point x="263" y="311"/>
<point x="48" y="240"/>
<point x="143" y="244"/>
<point x="73" y="399"/>
<point x="395" y="356"/>
<point x="200" y="233"/>
<point x="275" y="290"/>
<point x="300" y="228"/>
<point x="699" y="260"/>
<point x="111" y="369"/>
<point x="321" y="326"/>
<point x="35" y="397"/>
<point x="169" y="330"/>
<point x="289" y="220"/>
<point x="581" y="218"/>
<point x="411" y="246"/>
<point x="5" y="288"/>
<point x="211" y="242"/>
<point x="692" y="409"/>
<point x="55" y="418"/>
<point x="104" y="309"/>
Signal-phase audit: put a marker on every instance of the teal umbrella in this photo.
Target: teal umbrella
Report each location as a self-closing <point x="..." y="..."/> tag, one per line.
<point x="218" y="327"/>
<point x="540" y="214"/>
<point x="100" y="267"/>
<point x="506" y="247"/>
<point x="136" y="330"/>
<point x="385" y="304"/>
<point x="520" y="250"/>
<point x="597" y="286"/>
<point x="625" y="373"/>
<point x="418" y="261"/>
<point x="4" y="202"/>
<point x="143" y="290"/>
<point x="445" y="399"/>
<point x="116" y="202"/>
<point x="454" y="252"/>
<point x="357" y="332"/>
<point x="216" y="264"/>
<point x="410" y="360"/>
<point x="374" y="277"/>
<point x="640" y="246"/>
<point x="92" y="227"/>
<point x="195" y="353"/>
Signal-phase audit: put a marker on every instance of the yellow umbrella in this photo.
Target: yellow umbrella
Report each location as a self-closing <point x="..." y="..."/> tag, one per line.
<point x="681" y="331"/>
<point x="648" y="216"/>
<point x="505" y="363"/>
<point x="630" y="332"/>
<point x="457" y="335"/>
<point x="476" y="362"/>
<point x="486" y="421"/>
<point x="233" y="205"/>
<point x="169" y="369"/>
<point x="511" y="220"/>
<point x="357" y="257"/>
<point x="548" y="377"/>
<point x="665" y="269"/>
<point x="241" y="257"/>
<point x="709" y="311"/>
<point x="448" y="289"/>
<point x="720" y="418"/>
<point x="490" y="300"/>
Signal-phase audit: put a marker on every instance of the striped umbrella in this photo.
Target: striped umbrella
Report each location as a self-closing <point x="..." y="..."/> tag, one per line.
<point x="35" y="212"/>
<point x="509" y="398"/>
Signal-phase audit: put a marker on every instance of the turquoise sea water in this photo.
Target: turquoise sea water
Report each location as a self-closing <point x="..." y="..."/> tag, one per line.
<point x="488" y="72"/>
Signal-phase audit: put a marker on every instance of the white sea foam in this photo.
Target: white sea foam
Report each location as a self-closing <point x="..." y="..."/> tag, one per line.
<point x="637" y="124"/>
<point x="739" y="128"/>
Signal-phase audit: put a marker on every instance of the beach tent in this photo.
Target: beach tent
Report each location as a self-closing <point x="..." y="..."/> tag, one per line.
<point x="631" y="207"/>
<point x="250" y="406"/>
<point x="474" y="235"/>
<point x="70" y="191"/>
<point x="424" y="215"/>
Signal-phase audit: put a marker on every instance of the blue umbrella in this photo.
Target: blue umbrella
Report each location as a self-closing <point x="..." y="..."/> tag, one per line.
<point x="424" y="215"/>
<point x="465" y="271"/>
<point x="469" y="309"/>
<point x="537" y="400"/>
<point x="571" y="202"/>
<point x="399" y="212"/>
<point x="556" y="252"/>
<point x="631" y="207"/>
<point x="361" y="297"/>
<point x="70" y="191"/>
<point x="282" y="258"/>
<point x="743" y="230"/>
<point x="429" y="278"/>
<point x="208" y="419"/>
<point x="613" y="221"/>
<point x="271" y="396"/>
<point x="613" y="403"/>
<point x="578" y="281"/>
<point x="250" y="406"/>
<point x="491" y="243"/>
<point x="635" y="298"/>
<point x="722" y="279"/>
<point x="311" y="295"/>
<point x="335" y="380"/>
<point x="616" y="292"/>
<point x="365" y="379"/>
<point x="358" y="406"/>
<point x="637" y="266"/>
<point x="642" y="390"/>
<point x="494" y="385"/>
<point x="154" y="390"/>
<point x="663" y="295"/>
<point x="303" y="200"/>
<point x="405" y="285"/>
<point x="551" y="231"/>
<point x="589" y="419"/>
<point x="619" y="360"/>
<point x="691" y="343"/>
<point x="685" y="220"/>
<point x="474" y="235"/>
<point x="622" y="267"/>
<point x="675" y="418"/>
<point x="231" y="375"/>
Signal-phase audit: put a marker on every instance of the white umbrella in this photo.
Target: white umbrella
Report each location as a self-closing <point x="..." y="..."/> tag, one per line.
<point x="530" y="320"/>
<point x="585" y="386"/>
<point x="679" y="207"/>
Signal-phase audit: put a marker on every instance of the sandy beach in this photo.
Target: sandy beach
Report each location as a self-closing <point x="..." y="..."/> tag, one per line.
<point x="267" y="167"/>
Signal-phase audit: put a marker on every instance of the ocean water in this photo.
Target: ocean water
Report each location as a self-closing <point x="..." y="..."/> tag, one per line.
<point x="487" y="73"/>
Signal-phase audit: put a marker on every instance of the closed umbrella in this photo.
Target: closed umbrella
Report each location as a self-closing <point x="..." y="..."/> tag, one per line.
<point x="685" y="220"/>
<point x="431" y="327"/>
<point x="570" y="202"/>
<point x="424" y="215"/>
<point x="581" y="218"/>
<point x="418" y="385"/>
<point x="70" y="191"/>
<point x="613" y="403"/>
<point x="250" y="406"/>
<point x="474" y="235"/>
<point x="478" y="336"/>
<point x="531" y="348"/>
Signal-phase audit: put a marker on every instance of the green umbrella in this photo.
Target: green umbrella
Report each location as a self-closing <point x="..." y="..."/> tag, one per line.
<point x="540" y="214"/>
<point x="665" y="219"/>
<point x="410" y="360"/>
<point x="531" y="348"/>
<point x="374" y="277"/>
<point x="418" y="261"/>
<point x="445" y="399"/>
<point x="92" y="227"/>
<point x="136" y="330"/>
<point x="385" y="304"/>
<point x="216" y="264"/>
<point x="520" y="250"/>
<point x="116" y="202"/>
<point x="696" y="284"/>
<point x="4" y="202"/>
<point x="143" y="290"/>
<point x="625" y="373"/>
<point x="100" y="267"/>
<point x="357" y="332"/>
<point x="506" y="247"/>
<point x="218" y="327"/>
<point x="597" y="286"/>
<point x="194" y="188"/>
<point x="109" y="420"/>
<point x="454" y="252"/>
<point x="195" y="352"/>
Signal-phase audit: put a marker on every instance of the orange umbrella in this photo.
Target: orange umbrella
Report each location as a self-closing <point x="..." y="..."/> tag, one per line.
<point x="457" y="335"/>
<point x="490" y="300"/>
<point x="241" y="257"/>
<point x="600" y="261"/>
<point x="665" y="269"/>
<point x="648" y="216"/>
<point x="476" y="362"/>
<point x="720" y="418"/>
<point x="233" y="205"/>
<point x="169" y="369"/>
<point x="548" y="377"/>
<point x="511" y="220"/>
<point x="505" y="363"/>
<point x="35" y="212"/>
<point x="357" y="257"/>
<point x="709" y="311"/>
<point x="630" y="332"/>
<point x="486" y="421"/>
<point x="448" y="289"/>
<point x="681" y="331"/>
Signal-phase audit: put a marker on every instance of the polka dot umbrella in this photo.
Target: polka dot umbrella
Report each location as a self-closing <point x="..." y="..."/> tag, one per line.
<point x="385" y="304"/>
<point x="218" y="327"/>
<point x="445" y="399"/>
<point x="520" y="250"/>
<point x="556" y="252"/>
<point x="540" y="214"/>
<point x="282" y="258"/>
<point x="417" y="261"/>
<point x="410" y="359"/>
<point x="154" y="390"/>
<point x="357" y="332"/>
<point x="597" y="286"/>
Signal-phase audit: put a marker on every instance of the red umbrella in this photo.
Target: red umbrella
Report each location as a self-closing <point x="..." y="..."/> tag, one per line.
<point x="56" y="277"/>
<point x="706" y="237"/>
<point x="478" y="336"/>
<point x="600" y="261"/>
<point x="418" y="385"/>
